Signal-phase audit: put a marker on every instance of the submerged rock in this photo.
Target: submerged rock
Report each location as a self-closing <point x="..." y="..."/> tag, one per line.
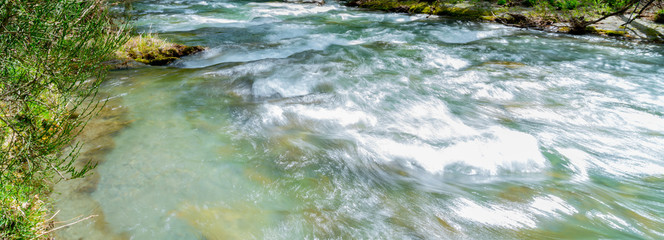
<point x="220" y="222"/>
<point x="120" y="64"/>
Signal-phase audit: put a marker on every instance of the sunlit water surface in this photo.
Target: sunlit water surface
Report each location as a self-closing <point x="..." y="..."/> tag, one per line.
<point x="306" y="121"/>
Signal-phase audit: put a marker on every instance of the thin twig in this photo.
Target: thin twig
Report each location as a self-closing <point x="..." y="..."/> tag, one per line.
<point x="59" y="173"/>
<point x="85" y="13"/>
<point x="66" y="225"/>
<point x="51" y="218"/>
<point x="621" y="11"/>
<point x="633" y="11"/>
<point x="632" y="17"/>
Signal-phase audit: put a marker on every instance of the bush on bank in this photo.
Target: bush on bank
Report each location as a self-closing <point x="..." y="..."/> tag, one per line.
<point x="51" y="55"/>
<point x="659" y="16"/>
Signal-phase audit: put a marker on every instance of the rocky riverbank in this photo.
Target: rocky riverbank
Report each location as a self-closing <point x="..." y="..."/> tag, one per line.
<point x="631" y="24"/>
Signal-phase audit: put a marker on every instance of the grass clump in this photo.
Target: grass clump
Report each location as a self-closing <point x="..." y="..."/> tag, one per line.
<point x="151" y="50"/>
<point x="23" y="213"/>
<point x="612" y="33"/>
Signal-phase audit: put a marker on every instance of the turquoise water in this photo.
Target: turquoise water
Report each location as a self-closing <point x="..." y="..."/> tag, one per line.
<point x="328" y="122"/>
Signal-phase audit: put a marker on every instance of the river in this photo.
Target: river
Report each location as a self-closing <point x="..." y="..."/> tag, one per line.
<point x="305" y="121"/>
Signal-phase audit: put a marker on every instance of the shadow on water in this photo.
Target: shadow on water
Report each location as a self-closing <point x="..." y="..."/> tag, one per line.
<point x="72" y="197"/>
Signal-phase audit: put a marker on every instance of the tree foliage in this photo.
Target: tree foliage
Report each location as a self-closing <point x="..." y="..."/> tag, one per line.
<point x="50" y="63"/>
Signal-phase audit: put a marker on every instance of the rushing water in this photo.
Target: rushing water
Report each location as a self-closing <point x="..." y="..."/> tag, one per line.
<point x="307" y="121"/>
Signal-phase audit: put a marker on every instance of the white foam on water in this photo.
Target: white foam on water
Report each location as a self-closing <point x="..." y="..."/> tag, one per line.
<point x="298" y="80"/>
<point x="642" y="120"/>
<point x="546" y="115"/>
<point x="429" y="119"/>
<point x="393" y="36"/>
<point x="515" y="216"/>
<point x="627" y="154"/>
<point x="240" y="70"/>
<point x="289" y="41"/>
<point x="639" y="163"/>
<point x="495" y="151"/>
<point x="276" y="86"/>
<point x="401" y="18"/>
<point x="272" y="114"/>
<point x="195" y="19"/>
<point x="448" y="141"/>
<point x="293" y="32"/>
<point x="633" y="167"/>
<point x="346" y="16"/>
<point x="552" y="205"/>
<point x="275" y="114"/>
<point x="578" y="162"/>
<point x="464" y="35"/>
<point x="502" y="149"/>
<point x="489" y="92"/>
<point x="614" y="118"/>
<point x="189" y="22"/>
<point x="338" y="115"/>
<point x="288" y="9"/>
<point x="222" y="4"/>
<point x="439" y="59"/>
<point x="356" y="42"/>
<point x="650" y="99"/>
<point x="495" y="215"/>
<point x="612" y="220"/>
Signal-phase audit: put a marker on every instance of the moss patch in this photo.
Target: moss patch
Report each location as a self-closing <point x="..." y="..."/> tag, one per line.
<point x="467" y="11"/>
<point x="154" y="51"/>
<point x="462" y="12"/>
<point x="612" y="33"/>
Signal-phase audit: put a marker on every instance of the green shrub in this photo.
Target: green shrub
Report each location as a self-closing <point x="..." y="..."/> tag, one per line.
<point x="51" y="55"/>
<point x="570" y="4"/>
<point x="502" y="2"/>
<point x="564" y="4"/>
<point x="617" y="4"/>
<point x="659" y="16"/>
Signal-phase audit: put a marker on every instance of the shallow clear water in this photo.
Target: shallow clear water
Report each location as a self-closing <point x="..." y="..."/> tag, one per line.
<point x="307" y="121"/>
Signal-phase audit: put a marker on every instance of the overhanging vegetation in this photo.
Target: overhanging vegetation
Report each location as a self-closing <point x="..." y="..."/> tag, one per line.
<point x="50" y="66"/>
